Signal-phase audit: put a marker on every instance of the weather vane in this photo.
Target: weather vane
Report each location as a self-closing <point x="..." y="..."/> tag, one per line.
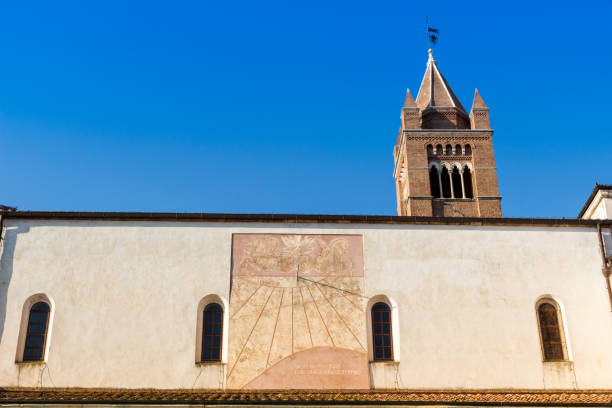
<point x="432" y="34"/>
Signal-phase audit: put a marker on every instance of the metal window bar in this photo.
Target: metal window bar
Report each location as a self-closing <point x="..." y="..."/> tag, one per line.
<point x="36" y="335"/>
<point x="552" y="343"/>
<point x="212" y="332"/>
<point x="381" y="332"/>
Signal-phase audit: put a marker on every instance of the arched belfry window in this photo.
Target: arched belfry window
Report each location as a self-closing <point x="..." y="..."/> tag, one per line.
<point x="446" y="183"/>
<point x="430" y="150"/>
<point x="457" y="186"/>
<point x="458" y="149"/>
<point x="434" y="182"/>
<point x="36" y="334"/>
<point x="439" y="149"/>
<point x="212" y="332"/>
<point x="468" y="149"/>
<point x="467" y="182"/>
<point x="382" y="340"/>
<point x="449" y="149"/>
<point x="551" y="331"/>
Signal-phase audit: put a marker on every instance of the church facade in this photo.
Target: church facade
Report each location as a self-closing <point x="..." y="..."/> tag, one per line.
<point x="448" y="303"/>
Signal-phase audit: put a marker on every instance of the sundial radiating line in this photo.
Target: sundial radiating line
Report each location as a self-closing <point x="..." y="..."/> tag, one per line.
<point x="314" y="302"/>
<point x="250" y="333"/>
<point x="340" y="316"/>
<point x="344" y="296"/>
<point x="280" y="304"/>
<point x="247" y="301"/>
<point x="320" y="282"/>
<point x="291" y="320"/>
<point x="306" y="317"/>
<point x="351" y="302"/>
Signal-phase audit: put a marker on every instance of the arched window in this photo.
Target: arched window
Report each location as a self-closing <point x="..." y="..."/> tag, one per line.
<point x="439" y="149"/>
<point x="467" y="182"/>
<point x="434" y="182"/>
<point x="458" y="149"/>
<point x="468" y="149"/>
<point x="381" y="332"/>
<point x="36" y="335"/>
<point x="551" y="332"/>
<point x="457" y="189"/>
<point x="430" y="150"/>
<point x="446" y="186"/>
<point x="212" y="332"/>
<point x="449" y="149"/>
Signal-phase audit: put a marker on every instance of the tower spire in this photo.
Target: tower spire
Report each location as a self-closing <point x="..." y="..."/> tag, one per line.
<point x="444" y="161"/>
<point x="435" y="95"/>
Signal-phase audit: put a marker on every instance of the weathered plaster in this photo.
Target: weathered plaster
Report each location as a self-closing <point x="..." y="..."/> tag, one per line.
<point x="126" y="295"/>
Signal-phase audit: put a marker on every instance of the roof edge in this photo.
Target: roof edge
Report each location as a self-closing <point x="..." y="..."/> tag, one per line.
<point x="592" y="196"/>
<point x="297" y="218"/>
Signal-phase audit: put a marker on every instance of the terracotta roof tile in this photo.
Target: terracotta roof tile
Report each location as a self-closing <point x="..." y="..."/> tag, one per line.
<point x="20" y="395"/>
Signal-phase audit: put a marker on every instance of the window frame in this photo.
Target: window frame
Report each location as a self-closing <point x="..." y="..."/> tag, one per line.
<point x="214" y="349"/>
<point x="384" y="310"/>
<point x="395" y="329"/>
<point x="23" y="329"/>
<point x="199" y="341"/>
<point x="30" y="335"/>
<point x="561" y="327"/>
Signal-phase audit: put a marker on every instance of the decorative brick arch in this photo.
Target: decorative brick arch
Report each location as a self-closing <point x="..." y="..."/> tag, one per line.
<point x="435" y="164"/>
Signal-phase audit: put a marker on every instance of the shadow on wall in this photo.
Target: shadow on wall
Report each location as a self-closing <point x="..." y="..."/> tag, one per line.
<point x="9" y="241"/>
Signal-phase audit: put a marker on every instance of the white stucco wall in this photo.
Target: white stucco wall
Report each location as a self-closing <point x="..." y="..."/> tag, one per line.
<point x="126" y="297"/>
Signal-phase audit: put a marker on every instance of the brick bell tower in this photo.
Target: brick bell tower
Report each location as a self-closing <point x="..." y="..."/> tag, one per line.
<point x="444" y="162"/>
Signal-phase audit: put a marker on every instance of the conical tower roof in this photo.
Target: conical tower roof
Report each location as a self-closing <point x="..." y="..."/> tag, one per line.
<point x="435" y="90"/>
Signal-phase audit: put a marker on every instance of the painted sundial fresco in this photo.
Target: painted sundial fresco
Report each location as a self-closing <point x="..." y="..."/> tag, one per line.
<point x="297" y="312"/>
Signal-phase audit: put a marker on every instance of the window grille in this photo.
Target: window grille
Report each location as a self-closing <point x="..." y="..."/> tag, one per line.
<point x="381" y="332"/>
<point x="212" y="332"/>
<point x="552" y="341"/>
<point x="36" y="335"/>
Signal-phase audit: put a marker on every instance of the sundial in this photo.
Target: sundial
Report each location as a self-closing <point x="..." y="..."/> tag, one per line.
<point x="297" y="312"/>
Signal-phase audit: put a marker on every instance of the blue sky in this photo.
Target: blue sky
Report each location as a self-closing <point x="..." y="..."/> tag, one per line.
<point x="290" y="107"/>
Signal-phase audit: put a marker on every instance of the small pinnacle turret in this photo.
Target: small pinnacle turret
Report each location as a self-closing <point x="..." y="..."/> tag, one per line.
<point x="409" y="100"/>
<point x="478" y="101"/>
<point x="479" y="115"/>
<point x="411" y="118"/>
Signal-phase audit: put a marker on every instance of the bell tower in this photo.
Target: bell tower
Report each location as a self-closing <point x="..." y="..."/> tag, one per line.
<point x="444" y="161"/>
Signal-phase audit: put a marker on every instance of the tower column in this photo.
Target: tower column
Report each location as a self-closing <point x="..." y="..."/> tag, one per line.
<point x="440" y="183"/>
<point x="450" y="178"/>
<point x="462" y="185"/>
